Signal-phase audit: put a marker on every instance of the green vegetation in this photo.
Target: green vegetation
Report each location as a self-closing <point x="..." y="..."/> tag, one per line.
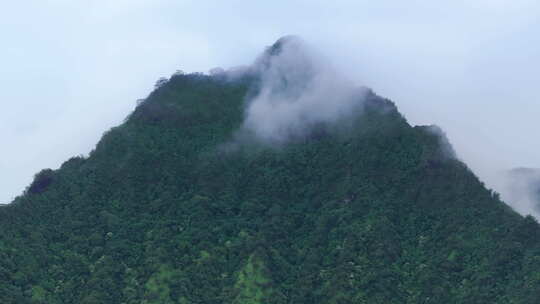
<point x="163" y="212"/>
<point x="253" y="284"/>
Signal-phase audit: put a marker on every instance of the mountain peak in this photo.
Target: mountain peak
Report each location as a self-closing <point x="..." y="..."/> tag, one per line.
<point x="288" y="40"/>
<point x="297" y="90"/>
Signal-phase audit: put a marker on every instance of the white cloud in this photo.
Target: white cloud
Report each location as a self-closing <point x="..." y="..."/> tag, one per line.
<point x="298" y="90"/>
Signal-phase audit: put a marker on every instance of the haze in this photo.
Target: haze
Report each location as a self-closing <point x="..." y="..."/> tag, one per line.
<point x="73" y="69"/>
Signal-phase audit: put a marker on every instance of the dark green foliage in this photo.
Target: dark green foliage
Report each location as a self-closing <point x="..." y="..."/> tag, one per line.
<point x="41" y="181"/>
<point x="165" y="211"/>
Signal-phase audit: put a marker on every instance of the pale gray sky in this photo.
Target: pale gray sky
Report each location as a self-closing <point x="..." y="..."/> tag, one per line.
<point x="73" y="69"/>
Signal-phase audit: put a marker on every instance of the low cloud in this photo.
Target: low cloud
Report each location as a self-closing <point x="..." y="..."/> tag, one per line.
<point x="520" y="187"/>
<point x="298" y="90"/>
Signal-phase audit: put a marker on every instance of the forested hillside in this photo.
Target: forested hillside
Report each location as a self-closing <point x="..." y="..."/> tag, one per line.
<point x="180" y="204"/>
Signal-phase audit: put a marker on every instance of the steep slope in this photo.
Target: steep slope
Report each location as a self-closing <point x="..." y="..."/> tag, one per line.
<point x="186" y="202"/>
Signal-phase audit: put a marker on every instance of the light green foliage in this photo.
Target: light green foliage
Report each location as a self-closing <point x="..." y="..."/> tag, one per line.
<point x="158" y="288"/>
<point x="253" y="284"/>
<point x="38" y="294"/>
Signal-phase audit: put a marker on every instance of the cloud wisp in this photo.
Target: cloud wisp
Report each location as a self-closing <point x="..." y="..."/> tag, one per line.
<point x="297" y="90"/>
<point x="520" y="188"/>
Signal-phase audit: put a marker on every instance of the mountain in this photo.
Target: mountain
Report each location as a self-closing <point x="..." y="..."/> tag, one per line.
<point x="280" y="182"/>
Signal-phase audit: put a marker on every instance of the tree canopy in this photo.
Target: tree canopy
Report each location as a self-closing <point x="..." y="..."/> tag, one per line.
<point x="164" y="211"/>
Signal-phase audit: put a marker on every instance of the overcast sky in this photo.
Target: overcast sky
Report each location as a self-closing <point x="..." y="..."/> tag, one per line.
<point x="72" y="69"/>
